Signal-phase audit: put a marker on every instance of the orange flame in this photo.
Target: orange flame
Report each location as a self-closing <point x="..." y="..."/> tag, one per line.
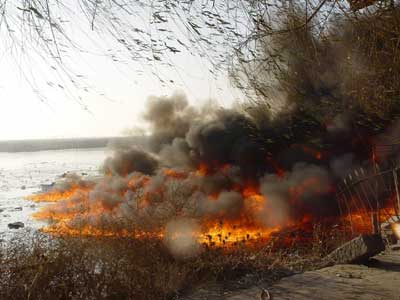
<point x="174" y="174"/>
<point x="74" y="214"/>
<point x="230" y="234"/>
<point x="202" y="169"/>
<point x="55" y="195"/>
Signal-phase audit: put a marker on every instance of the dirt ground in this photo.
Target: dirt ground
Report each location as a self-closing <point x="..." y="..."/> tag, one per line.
<point x="379" y="279"/>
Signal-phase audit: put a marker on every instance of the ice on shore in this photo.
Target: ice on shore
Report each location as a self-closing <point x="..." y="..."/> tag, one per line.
<point x="22" y="174"/>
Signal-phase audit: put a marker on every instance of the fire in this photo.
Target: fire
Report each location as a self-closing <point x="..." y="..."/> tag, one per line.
<point x="396" y="230"/>
<point x="174" y="174"/>
<point x="55" y="195"/>
<point x="73" y="204"/>
<point x="242" y="230"/>
<point x="316" y="154"/>
<point x="202" y="169"/>
<point x="229" y="234"/>
<point x="279" y="171"/>
<point x="235" y="213"/>
<point x="64" y="229"/>
<point x="252" y="192"/>
<point x="361" y="220"/>
<point x="254" y="201"/>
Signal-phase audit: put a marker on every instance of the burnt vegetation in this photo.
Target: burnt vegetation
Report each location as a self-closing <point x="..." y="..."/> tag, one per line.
<point x="34" y="267"/>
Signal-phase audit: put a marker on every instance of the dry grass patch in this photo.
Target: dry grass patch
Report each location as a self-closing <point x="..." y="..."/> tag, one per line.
<point x="38" y="267"/>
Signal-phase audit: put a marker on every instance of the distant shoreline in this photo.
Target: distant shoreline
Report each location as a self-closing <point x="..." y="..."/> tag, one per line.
<point x="71" y="143"/>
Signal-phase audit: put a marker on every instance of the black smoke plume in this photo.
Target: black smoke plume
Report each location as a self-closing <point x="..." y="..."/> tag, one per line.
<point x="207" y="162"/>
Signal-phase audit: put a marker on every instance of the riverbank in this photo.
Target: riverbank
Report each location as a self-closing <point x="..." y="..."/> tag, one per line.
<point x="25" y="173"/>
<point x="73" y="143"/>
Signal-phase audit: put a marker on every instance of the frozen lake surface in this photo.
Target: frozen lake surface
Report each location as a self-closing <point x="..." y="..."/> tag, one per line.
<point x="23" y="173"/>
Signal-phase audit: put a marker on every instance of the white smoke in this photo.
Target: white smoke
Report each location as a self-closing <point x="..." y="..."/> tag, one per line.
<point x="181" y="237"/>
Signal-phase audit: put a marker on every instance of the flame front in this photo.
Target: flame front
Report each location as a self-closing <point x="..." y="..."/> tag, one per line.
<point x="85" y="209"/>
<point x="235" y="212"/>
<point x="82" y="211"/>
<point x="79" y="210"/>
<point x="55" y="195"/>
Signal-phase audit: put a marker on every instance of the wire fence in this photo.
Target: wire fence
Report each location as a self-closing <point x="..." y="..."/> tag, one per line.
<point x="369" y="200"/>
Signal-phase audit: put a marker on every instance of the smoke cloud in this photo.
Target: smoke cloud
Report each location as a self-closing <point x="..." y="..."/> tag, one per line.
<point x="181" y="237"/>
<point x="210" y="165"/>
<point x="126" y="161"/>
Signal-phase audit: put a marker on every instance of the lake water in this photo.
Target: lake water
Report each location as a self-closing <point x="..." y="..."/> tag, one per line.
<point x="23" y="173"/>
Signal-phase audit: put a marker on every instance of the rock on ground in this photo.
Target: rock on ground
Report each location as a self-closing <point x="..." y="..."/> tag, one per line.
<point x="16" y="225"/>
<point x="358" y="249"/>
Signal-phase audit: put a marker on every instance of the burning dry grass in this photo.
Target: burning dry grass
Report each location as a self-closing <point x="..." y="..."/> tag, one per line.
<point x="141" y="206"/>
<point x="36" y="267"/>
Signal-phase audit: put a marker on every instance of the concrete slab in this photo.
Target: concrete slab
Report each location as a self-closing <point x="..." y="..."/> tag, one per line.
<point x="379" y="280"/>
<point x="359" y="249"/>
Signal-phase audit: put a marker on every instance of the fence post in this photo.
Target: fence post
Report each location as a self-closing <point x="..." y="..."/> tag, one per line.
<point x="376" y="214"/>
<point x="375" y="223"/>
<point x="396" y="185"/>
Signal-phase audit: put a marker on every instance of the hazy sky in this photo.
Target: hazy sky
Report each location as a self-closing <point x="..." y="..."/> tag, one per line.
<point x="24" y="116"/>
<point x="115" y="100"/>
